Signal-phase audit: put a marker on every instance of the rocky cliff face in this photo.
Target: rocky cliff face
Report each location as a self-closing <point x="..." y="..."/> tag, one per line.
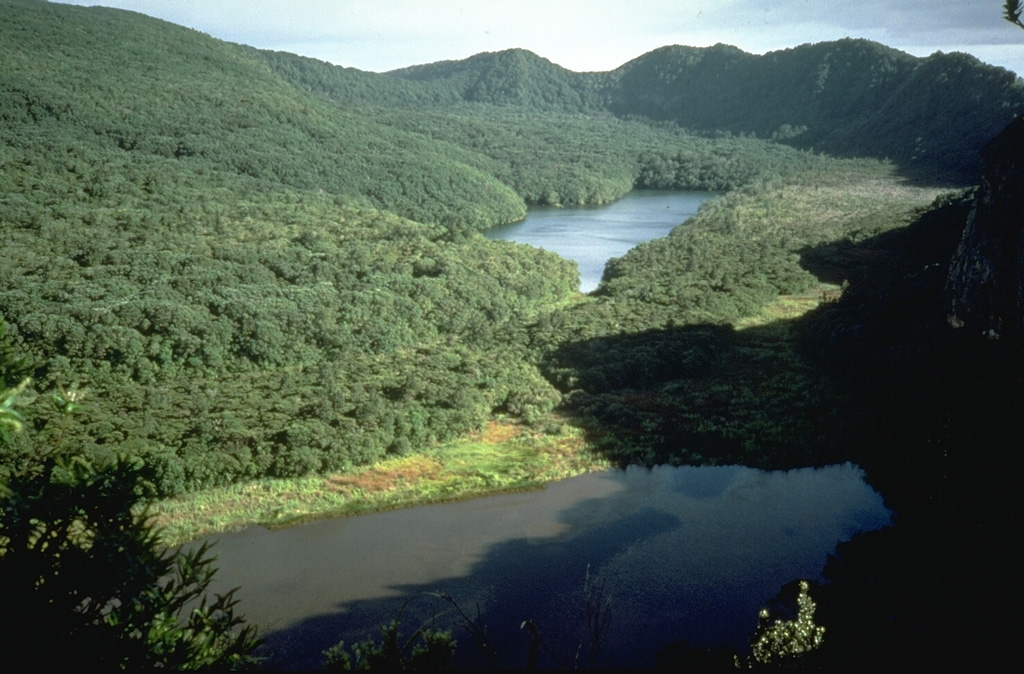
<point x="985" y="288"/>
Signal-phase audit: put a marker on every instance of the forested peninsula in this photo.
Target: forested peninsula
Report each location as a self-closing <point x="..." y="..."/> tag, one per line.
<point x="240" y="265"/>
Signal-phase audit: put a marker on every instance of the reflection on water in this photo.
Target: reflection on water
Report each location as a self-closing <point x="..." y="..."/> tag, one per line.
<point x="684" y="553"/>
<point x="592" y="235"/>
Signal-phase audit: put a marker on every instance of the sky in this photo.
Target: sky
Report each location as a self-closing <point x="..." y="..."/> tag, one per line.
<point x="584" y="35"/>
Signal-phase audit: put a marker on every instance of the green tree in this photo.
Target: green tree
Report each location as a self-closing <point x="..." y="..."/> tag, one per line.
<point x="86" y="581"/>
<point x="83" y="573"/>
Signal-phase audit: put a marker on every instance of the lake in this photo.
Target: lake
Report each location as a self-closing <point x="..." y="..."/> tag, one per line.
<point x="683" y="553"/>
<point x="689" y="553"/>
<point x="592" y="235"/>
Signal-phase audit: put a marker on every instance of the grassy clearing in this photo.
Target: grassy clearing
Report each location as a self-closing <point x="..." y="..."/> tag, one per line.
<point x="787" y="307"/>
<point x="505" y="456"/>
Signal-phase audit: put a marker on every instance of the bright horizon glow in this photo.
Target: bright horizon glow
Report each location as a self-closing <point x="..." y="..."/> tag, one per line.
<point x="583" y="35"/>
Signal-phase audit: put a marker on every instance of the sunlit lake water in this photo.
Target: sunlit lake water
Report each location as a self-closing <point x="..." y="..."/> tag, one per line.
<point x="683" y="553"/>
<point x="594" y="234"/>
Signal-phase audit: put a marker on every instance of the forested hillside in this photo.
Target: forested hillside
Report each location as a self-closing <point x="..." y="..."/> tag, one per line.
<point x="196" y="242"/>
<point x="160" y="93"/>
<point x="259" y="264"/>
<point x="193" y="242"/>
<point x="851" y="97"/>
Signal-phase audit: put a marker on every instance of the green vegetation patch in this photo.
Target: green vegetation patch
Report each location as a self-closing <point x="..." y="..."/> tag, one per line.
<point x="504" y="457"/>
<point x="652" y="366"/>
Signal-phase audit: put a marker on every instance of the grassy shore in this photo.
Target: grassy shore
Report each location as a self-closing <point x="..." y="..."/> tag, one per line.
<point x="505" y="456"/>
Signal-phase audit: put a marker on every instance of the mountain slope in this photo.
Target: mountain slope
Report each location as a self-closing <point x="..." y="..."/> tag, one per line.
<point x="192" y="240"/>
<point x="512" y="77"/>
<point x="851" y="97"/>
<point x="117" y="81"/>
<point x="197" y="230"/>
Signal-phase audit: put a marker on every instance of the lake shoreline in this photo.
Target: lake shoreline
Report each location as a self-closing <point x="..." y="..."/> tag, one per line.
<point x="505" y="457"/>
<point x="592" y="234"/>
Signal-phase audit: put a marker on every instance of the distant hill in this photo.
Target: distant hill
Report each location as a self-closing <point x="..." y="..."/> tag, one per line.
<point x="849" y="97"/>
<point x="514" y="77"/>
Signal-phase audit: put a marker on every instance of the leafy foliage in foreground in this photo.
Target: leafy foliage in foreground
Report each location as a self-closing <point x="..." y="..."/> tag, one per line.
<point x="84" y="574"/>
<point x="786" y="641"/>
<point x="428" y="648"/>
<point x="79" y="564"/>
<point x="83" y="569"/>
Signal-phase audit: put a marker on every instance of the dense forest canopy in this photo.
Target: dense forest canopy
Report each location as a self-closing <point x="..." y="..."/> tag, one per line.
<point x="259" y="264"/>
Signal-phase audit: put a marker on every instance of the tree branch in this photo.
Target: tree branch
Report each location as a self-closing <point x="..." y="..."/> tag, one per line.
<point x="1012" y="11"/>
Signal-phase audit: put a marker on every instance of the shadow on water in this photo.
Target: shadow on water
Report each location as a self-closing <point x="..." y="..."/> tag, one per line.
<point x="680" y="553"/>
<point x="877" y="378"/>
<point x="516" y="580"/>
